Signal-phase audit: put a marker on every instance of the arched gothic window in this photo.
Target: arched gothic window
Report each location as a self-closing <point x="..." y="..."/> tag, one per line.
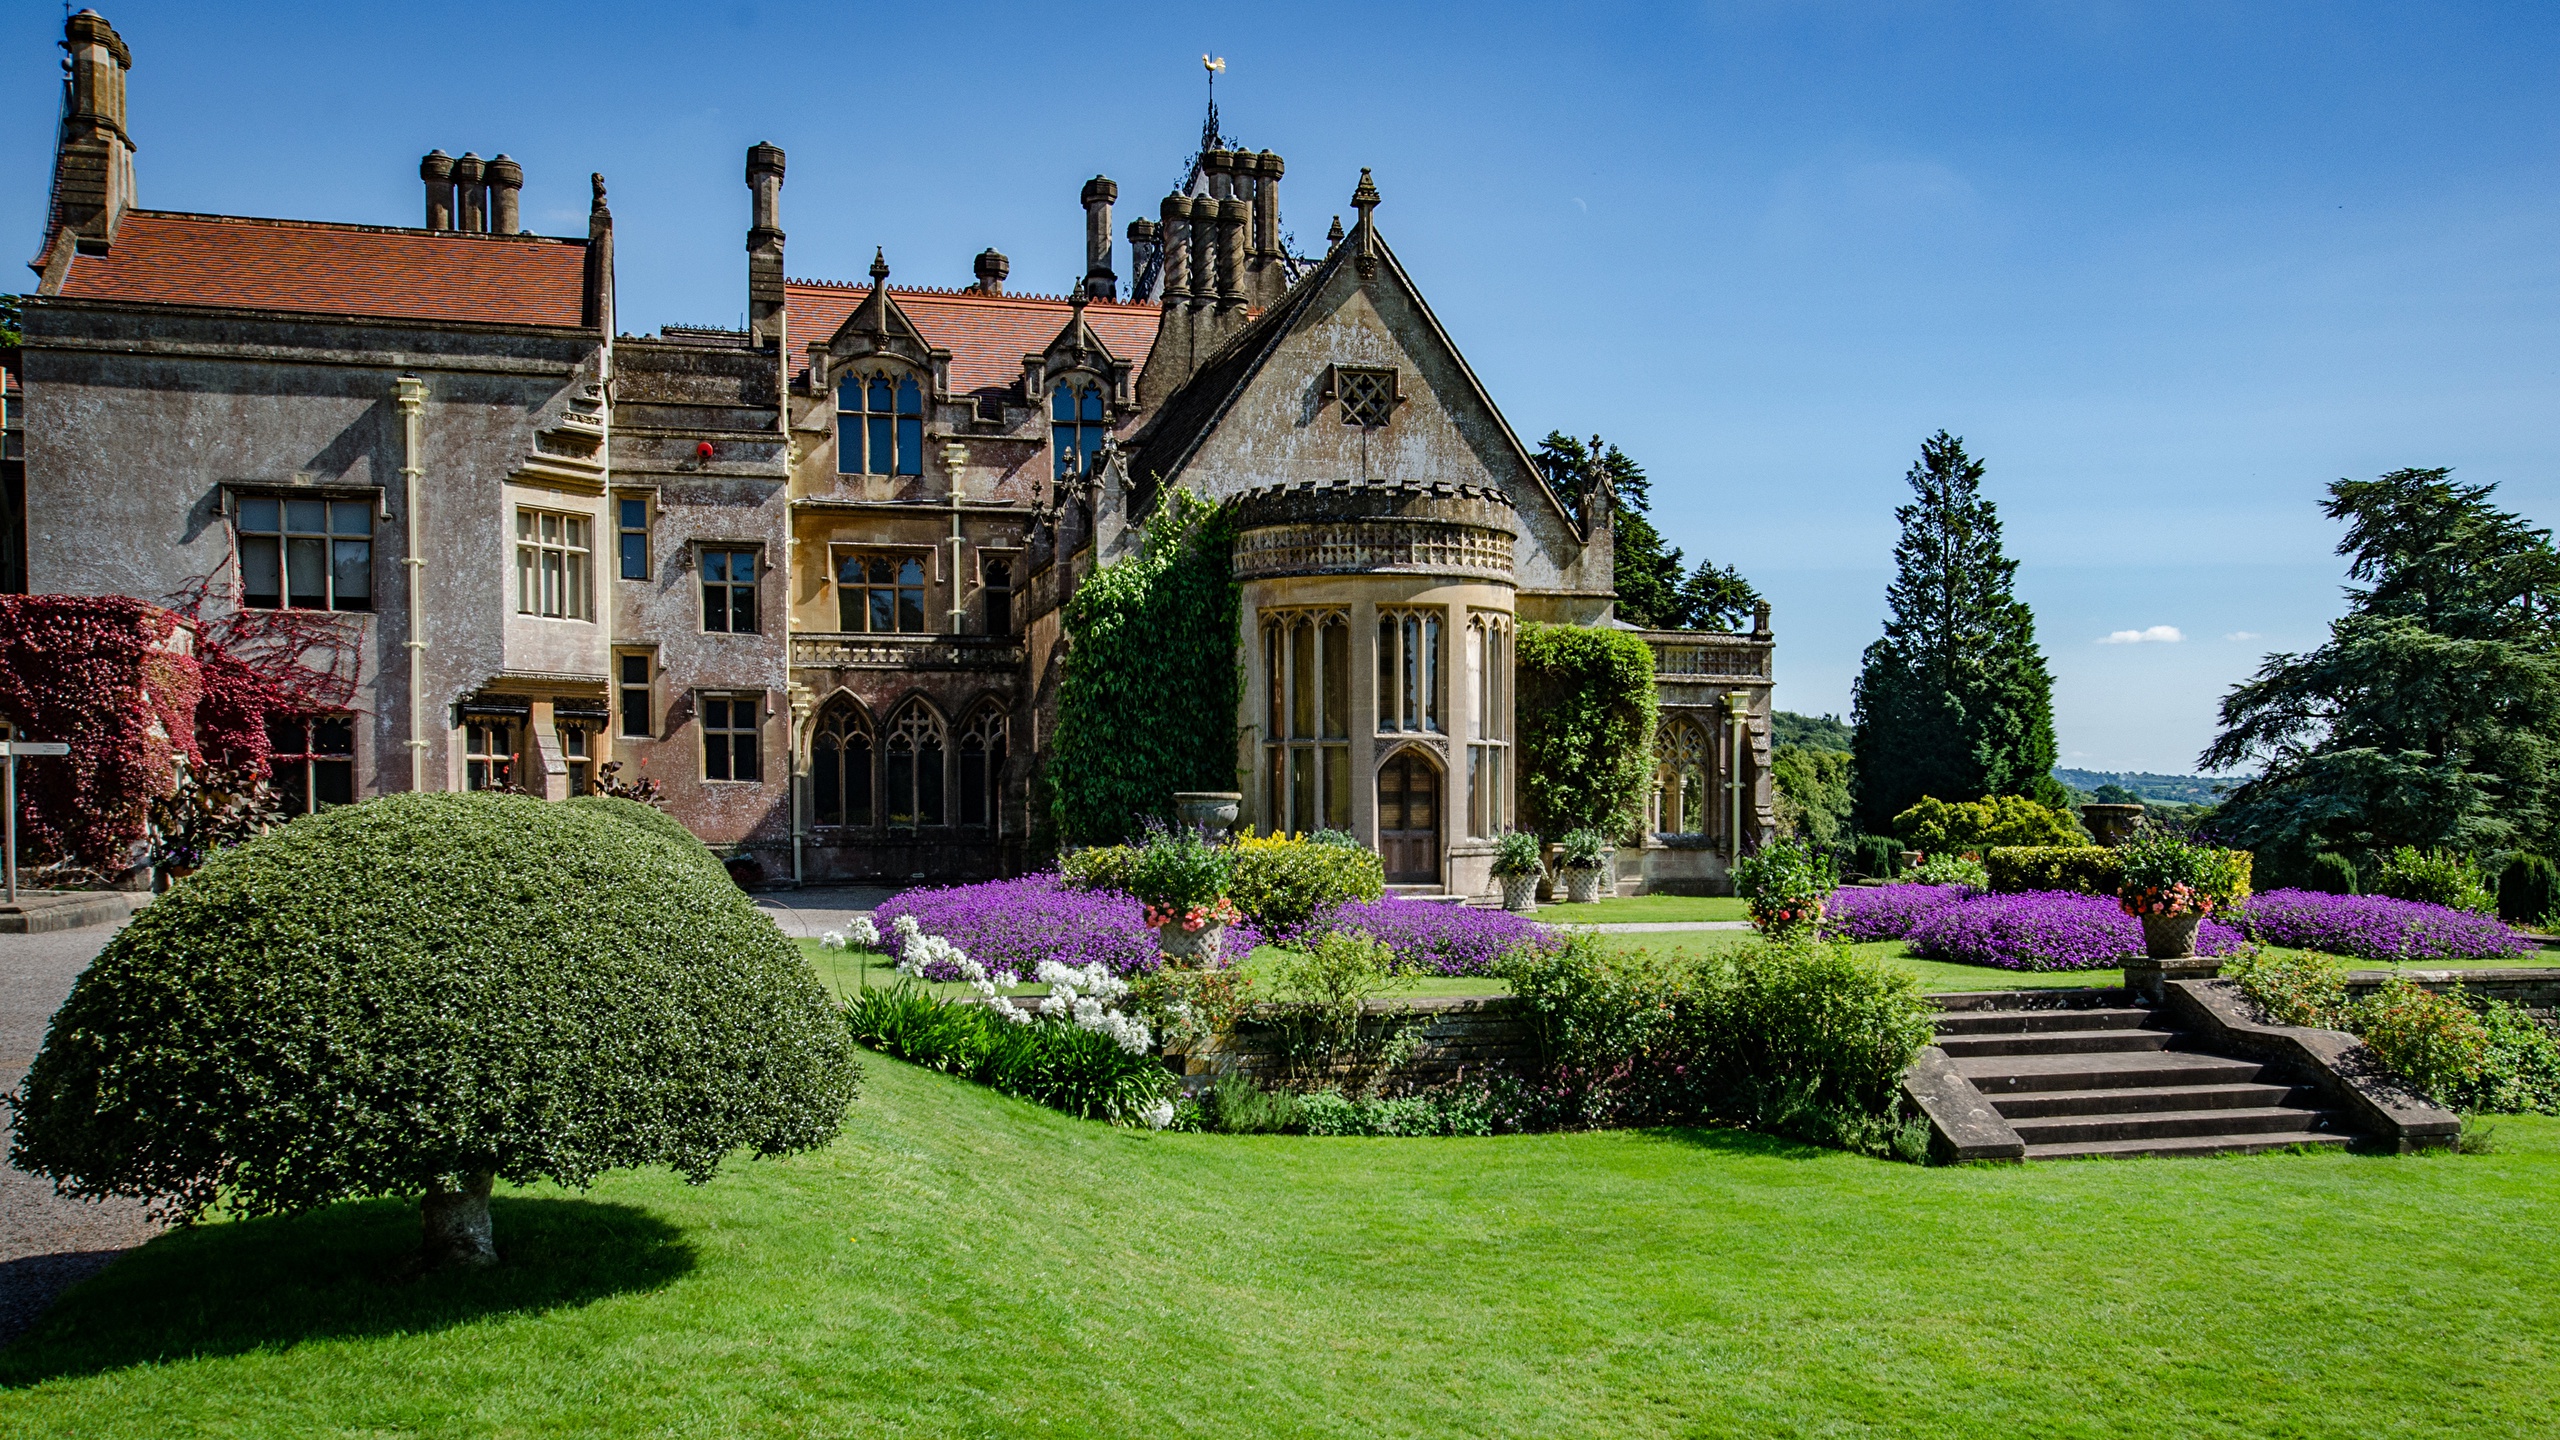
<point x="879" y="425"/>
<point x="982" y="769"/>
<point x="840" y="765"/>
<point x="1682" y="761"/>
<point x="1076" y="428"/>
<point x="913" y="752"/>
<point x="1306" y="659"/>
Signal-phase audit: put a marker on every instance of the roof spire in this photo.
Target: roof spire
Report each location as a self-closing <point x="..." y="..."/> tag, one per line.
<point x="1333" y="236"/>
<point x="1365" y="199"/>
<point x="880" y="265"/>
<point x="1209" y="137"/>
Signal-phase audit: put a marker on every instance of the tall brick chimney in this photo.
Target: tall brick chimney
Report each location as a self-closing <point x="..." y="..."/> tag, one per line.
<point x="436" y="168"/>
<point x="506" y="180"/>
<point x="93" y="166"/>
<point x="1099" y="282"/>
<point x="764" y="245"/>
<point x="470" y="193"/>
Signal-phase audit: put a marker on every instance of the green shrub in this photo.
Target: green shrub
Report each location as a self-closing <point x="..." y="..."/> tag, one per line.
<point x="1581" y="849"/>
<point x="1812" y="793"/>
<point x="1458" y="1110"/>
<point x="1100" y="867"/>
<point x="1238" y="1106"/>
<point x="1282" y="884"/>
<point x="1517" y="854"/>
<point x="2435" y="877"/>
<point x="379" y="998"/>
<point x="1949" y="868"/>
<point x="1323" y="987"/>
<point x="2303" y="987"/>
<point x="2331" y="873"/>
<point x="1340" y="839"/>
<point x="1592" y="1005"/>
<point x="1935" y="825"/>
<point x="648" y="818"/>
<point x="2519" y="1064"/>
<point x="2432" y="1041"/>
<point x="1051" y="1062"/>
<point x="1877" y="857"/>
<point x="2528" y="889"/>
<point x="1785" y="884"/>
<point x="1177" y="871"/>
<point x="2159" y="873"/>
<point x="1586" y="707"/>
<point x="1801" y="1024"/>
<point x="2015" y="869"/>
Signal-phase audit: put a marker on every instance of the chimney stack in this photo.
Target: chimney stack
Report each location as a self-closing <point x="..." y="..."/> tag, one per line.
<point x="436" y="168"/>
<point x="764" y="245"/>
<point x="1175" y="237"/>
<point x="1204" y="250"/>
<point x="506" y="181"/>
<point x="471" y="193"/>
<point x="1143" y="253"/>
<point x="93" y="166"/>
<point x="1266" y="207"/>
<point x="992" y="267"/>
<point x="1099" y="281"/>
<point x="1233" y="216"/>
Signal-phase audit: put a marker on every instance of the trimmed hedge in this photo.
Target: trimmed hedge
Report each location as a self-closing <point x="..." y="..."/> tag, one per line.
<point x="2015" y="869"/>
<point x="1587" y="709"/>
<point x="380" y="996"/>
<point x="1285" y="884"/>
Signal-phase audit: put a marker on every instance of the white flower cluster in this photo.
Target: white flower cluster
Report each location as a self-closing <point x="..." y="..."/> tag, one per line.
<point x="924" y="951"/>
<point x="861" y="934"/>
<point x="1158" y="1115"/>
<point x="1080" y="994"/>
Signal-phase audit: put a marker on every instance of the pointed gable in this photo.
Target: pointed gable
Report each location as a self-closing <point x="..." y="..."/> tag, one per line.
<point x="879" y="327"/>
<point x="1263" y="409"/>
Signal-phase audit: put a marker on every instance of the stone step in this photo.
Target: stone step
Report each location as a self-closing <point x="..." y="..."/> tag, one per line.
<point x="2170" y="1125"/>
<point x="2056" y="1042"/>
<point x="2148" y="1099"/>
<point x="2001" y="1075"/>
<point x="2043" y="999"/>
<point x="2196" y="1146"/>
<point x="2036" y="1022"/>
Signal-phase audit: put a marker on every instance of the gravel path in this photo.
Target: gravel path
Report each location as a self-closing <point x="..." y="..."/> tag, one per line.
<point x="48" y="1243"/>
<point x="819" y="909"/>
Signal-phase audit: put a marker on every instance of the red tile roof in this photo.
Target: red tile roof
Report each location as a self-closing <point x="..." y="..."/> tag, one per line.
<point x="987" y="335"/>
<point x="224" y="260"/>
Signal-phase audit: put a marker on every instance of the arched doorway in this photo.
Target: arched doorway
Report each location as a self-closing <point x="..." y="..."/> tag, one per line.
<point x="1409" y="819"/>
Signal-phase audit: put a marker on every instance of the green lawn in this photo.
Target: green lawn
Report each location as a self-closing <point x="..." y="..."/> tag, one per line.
<point x="964" y="1264"/>
<point x="1647" y="909"/>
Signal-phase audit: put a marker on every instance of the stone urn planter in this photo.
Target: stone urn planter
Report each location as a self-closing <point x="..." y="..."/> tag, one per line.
<point x="1582" y="886"/>
<point x="1195" y="949"/>
<point x="2170" y="937"/>
<point x="1210" y="810"/>
<point x="1520" y="892"/>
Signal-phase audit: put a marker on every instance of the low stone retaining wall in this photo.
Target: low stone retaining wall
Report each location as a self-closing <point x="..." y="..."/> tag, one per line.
<point x="2531" y="988"/>
<point x="1459" y="1035"/>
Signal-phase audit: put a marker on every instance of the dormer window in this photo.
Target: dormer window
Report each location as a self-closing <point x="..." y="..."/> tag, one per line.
<point x="1076" y="428"/>
<point x="879" y="425"/>
<point x="1368" y="395"/>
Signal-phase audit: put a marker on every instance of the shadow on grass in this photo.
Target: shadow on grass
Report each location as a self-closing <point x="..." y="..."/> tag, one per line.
<point x="347" y="1271"/>
<point x="1736" y="1142"/>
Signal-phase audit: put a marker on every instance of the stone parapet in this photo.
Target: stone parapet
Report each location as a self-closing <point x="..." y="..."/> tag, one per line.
<point x="1354" y="528"/>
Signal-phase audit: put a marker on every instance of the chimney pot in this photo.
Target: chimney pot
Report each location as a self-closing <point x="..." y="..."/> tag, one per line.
<point x="470" y="193"/>
<point x="765" y="318"/>
<point x="992" y="267"/>
<point x="436" y="169"/>
<point x="506" y="181"/>
<point x="1100" y="282"/>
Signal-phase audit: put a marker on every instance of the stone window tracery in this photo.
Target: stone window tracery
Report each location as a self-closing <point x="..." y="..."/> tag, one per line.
<point x="913" y="751"/>
<point x="1409" y="671"/>
<point x="1488" y="725"/>
<point x="1367" y="394"/>
<point x="982" y="769"/>
<point x="840" y="765"/>
<point x="1307" y="729"/>
<point x="1683" y="761"/>
<point x="879" y="425"/>
<point x="1078" y="424"/>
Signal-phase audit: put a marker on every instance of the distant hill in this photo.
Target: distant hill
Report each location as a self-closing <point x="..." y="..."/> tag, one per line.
<point x="2168" y="789"/>
<point x="1827" y="732"/>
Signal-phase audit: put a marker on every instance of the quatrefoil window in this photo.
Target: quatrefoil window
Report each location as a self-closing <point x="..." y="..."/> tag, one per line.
<point x="1368" y="396"/>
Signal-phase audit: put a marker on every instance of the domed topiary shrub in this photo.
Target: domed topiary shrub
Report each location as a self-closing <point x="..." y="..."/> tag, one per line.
<point x="423" y="993"/>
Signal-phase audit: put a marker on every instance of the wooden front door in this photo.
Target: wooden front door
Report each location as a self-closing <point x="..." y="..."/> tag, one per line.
<point x="1409" y="820"/>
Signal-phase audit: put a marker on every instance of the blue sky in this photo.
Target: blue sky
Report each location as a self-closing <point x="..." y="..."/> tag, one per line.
<point x="2168" y="268"/>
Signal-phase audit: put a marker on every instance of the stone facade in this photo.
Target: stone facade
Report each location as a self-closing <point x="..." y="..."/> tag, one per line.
<point x="807" y="576"/>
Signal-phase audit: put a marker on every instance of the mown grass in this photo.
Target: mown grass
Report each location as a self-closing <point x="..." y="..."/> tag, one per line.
<point x="1647" y="909"/>
<point x="964" y="1264"/>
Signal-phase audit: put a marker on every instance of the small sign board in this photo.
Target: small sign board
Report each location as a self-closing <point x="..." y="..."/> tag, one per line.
<point x="14" y="748"/>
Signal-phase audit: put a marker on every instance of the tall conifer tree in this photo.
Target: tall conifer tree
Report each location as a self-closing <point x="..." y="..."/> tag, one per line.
<point x="1954" y="701"/>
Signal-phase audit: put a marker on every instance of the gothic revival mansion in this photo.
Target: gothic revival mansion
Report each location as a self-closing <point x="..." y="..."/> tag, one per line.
<point x="807" y="575"/>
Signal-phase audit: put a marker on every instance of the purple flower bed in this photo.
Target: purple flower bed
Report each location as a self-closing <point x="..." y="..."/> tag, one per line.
<point x="2377" y="927"/>
<point x="1015" y="924"/>
<point x="1884" y="912"/>
<point x="1437" y="939"/>
<point x="2045" y="930"/>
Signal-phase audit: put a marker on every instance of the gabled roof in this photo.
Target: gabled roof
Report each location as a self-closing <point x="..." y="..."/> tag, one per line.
<point x="1170" y="437"/>
<point x="235" y="262"/>
<point x="987" y="335"/>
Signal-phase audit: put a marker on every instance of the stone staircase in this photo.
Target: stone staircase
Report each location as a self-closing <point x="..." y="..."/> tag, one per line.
<point x="2082" y="1074"/>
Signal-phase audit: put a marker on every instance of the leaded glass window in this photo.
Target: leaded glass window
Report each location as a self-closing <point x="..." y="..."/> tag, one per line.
<point x="1077" y="428"/>
<point x="879" y="425"/>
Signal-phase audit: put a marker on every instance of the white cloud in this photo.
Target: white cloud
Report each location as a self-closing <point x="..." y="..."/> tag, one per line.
<point x="2157" y="634"/>
<point x="2242" y="637"/>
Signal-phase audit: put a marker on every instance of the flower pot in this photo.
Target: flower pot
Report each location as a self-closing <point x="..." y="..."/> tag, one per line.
<point x="2170" y="937"/>
<point x="1582" y="887"/>
<point x="1211" y="811"/>
<point x="1196" y="948"/>
<point x="1520" y="893"/>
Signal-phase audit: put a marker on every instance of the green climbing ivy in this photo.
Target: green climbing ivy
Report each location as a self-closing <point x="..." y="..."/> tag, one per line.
<point x="1147" y="701"/>
<point x="1586" y="712"/>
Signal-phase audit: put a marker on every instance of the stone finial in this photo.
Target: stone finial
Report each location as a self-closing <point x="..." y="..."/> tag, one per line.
<point x="1760" y="618"/>
<point x="991" y="269"/>
<point x="597" y="205"/>
<point x="1365" y="200"/>
<point x="1333" y="236"/>
<point x="1101" y="189"/>
<point x="879" y="266"/>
